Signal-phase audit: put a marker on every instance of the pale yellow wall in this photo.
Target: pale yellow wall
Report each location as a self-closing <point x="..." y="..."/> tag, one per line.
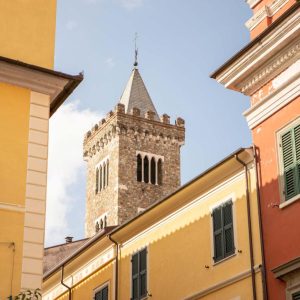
<point x="28" y="31"/>
<point x="11" y="224"/>
<point x="178" y="251"/>
<point x="85" y="289"/>
<point x="14" y="127"/>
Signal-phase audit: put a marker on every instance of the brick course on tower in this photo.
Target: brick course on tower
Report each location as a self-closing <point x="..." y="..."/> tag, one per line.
<point x="122" y="144"/>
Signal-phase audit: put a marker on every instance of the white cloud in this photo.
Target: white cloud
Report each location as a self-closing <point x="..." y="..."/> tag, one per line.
<point x="71" y="25"/>
<point x="110" y="62"/>
<point x="131" y="4"/>
<point x="67" y="128"/>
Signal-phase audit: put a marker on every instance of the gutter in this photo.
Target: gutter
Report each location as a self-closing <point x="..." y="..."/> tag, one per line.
<point x="62" y="282"/>
<point x="249" y="227"/>
<point x="262" y="248"/>
<point x="117" y="266"/>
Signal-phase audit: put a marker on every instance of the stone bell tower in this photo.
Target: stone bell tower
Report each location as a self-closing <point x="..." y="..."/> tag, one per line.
<point x="133" y="158"/>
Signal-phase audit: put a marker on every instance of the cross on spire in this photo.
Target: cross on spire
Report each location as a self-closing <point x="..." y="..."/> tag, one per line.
<point x="135" y="51"/>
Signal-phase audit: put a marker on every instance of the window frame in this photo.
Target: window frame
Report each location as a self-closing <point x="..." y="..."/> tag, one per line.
<point x="101" y="287"/>
<point x="147" y="274"/>
<point x="281" y="181"/>
<point x="230" y="198"/>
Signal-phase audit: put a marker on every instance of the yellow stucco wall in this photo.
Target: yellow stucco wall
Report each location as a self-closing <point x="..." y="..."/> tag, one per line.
<point x="28" y="31"/>
<point x="180" y="246"/>
<point x="14" y="118"/>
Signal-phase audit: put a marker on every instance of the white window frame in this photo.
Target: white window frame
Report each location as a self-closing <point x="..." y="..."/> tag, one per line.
<point x="99" y="288"/>
<point x="232" y="198"/>
<point x="279" y="133"/>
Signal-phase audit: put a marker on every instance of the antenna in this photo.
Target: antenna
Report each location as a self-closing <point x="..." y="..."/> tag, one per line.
<point x="135" y="50"/>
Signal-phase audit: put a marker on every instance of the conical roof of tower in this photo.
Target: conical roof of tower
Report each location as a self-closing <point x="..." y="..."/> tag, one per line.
<point x="136" y="95"/>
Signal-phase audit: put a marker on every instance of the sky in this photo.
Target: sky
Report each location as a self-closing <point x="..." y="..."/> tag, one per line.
<point x="180" y="42"/>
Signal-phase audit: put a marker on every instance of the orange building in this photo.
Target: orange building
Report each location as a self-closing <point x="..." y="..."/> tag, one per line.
<point x="268" y="70"/>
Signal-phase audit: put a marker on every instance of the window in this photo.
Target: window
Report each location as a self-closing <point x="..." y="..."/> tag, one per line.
<point x="139" y="275"/>
<point x="296" y="296"/>
<point x="290" y="151"/>
<point x="223" y="236"/>
<point x="102" y="294"/>
<point x="149" y="168"/>
<point x="102" y="175"/>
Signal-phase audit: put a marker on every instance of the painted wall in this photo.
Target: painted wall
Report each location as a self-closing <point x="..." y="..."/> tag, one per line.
<point x="28" y="31"/>
<point x="14" y="118"/>
<point x="179" y="247"/>
<point x="281" y="233"/>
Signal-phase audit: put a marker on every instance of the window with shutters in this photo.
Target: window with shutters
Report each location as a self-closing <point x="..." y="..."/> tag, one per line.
<point x="223" y="235"/>
<point x="289" y="144"/>
<point x="296" y="296"/>
<point x="139" y="275"/>
<point x="101" y="293"/>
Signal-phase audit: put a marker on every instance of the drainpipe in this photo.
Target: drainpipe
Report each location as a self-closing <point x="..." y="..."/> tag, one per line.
<point x="117" y="267"/>
<point x="249" y="228"/>
<point x="262" y="248"/>
<point x="62" y="282"/>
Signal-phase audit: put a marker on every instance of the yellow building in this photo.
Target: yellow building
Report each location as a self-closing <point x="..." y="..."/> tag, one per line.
<point x="200" y="242"/>
<point x="30" y="92"/>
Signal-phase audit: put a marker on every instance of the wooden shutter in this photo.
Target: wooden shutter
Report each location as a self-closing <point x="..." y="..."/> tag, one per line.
<point x="135" y="276"/>
<point x="102" y="294"/>
<point x="218" y="234"/>
<point x="228" y="229"/>
<point x="143" y="272"/>
<point x="290" y="143"/>
<point x="296" y="296"/>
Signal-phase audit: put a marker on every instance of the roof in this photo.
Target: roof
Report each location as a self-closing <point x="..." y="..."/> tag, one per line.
<point x="256" y="40"/>
<point x="136" y="95"/>
<point x="55" y="254"/>
<point x="56" y="84"/>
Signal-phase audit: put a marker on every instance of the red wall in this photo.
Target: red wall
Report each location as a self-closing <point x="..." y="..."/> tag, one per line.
<point x="281" y="227"/>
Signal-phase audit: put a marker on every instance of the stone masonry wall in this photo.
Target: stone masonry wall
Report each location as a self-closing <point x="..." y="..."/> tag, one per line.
<point x="119" y="137"/>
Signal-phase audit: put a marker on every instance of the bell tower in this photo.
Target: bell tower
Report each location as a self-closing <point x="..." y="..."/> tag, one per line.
<point x="133" y="158"/>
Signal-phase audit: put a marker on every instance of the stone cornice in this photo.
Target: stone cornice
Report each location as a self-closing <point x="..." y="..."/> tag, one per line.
<point x="271" y="69"/>
<point x="253" y="3"/>
<point x="247" y="66"/>
<point x="266" y="11"/>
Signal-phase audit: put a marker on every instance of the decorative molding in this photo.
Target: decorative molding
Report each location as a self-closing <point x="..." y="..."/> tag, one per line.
<point x="245" y="67"/>
<point x="81" y="274"/>
<point x="253" y="3"/>
<point x="266" y="11"/>
<point x="280" y="62"/>
<point x="280" y="97"/>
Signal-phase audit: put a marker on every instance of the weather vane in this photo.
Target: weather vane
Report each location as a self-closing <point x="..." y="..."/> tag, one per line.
<point x="135" y="51"/>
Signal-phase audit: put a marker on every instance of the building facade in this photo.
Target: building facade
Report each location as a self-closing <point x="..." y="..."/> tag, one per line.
<point x="133" y="158"/>
<point x="30" y="92"/>
<point x="268" y="70"/>
<point x="200" y="242"/>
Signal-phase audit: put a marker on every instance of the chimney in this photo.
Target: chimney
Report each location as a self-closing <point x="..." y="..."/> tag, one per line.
<point x="69" y="239"/>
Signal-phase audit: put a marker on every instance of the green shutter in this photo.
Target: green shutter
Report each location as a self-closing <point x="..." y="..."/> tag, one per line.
<point x="218" y="234"/>
<point x="228" y="229"/>
<point x="290" y="142"/>
<point x="102" y="294"/>
<point x="296" y="296"/>
<point x="135" y="276"/>
<point x="143" y="272"/>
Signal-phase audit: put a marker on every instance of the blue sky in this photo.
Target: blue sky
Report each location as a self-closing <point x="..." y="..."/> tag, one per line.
<point x="180" y="43"/>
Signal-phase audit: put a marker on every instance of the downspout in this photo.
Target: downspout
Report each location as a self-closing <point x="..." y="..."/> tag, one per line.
<point x="249" y="228"/>
<point x="262" y="248"/>
<point x="117" y="266"/>
<point x="62" y="282"/>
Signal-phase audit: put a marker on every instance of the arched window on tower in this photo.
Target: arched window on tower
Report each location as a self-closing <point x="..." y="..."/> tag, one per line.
<point x="153" y="171"/>
<point x="107" y="172"/>
<point x="139" y="168"/>
<point x="104" y="176"/>
<point x="100" y="181"/>
<point x="105" y="221"/>
<point x="97" y="227"/>
<point x="146" y="169"/>
<point x="101" y="224"/>
<point x="159" y="172"/>
<point x="97" y="181"/>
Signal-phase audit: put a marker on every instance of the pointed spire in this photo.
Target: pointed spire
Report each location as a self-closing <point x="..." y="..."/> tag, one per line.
<point x="136" y="95"/>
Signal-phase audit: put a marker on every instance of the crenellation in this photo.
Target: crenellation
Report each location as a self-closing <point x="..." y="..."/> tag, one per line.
<point x="135" y="111"/>
<point x="150" y="115"/>
<point x="165" y="119"/>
